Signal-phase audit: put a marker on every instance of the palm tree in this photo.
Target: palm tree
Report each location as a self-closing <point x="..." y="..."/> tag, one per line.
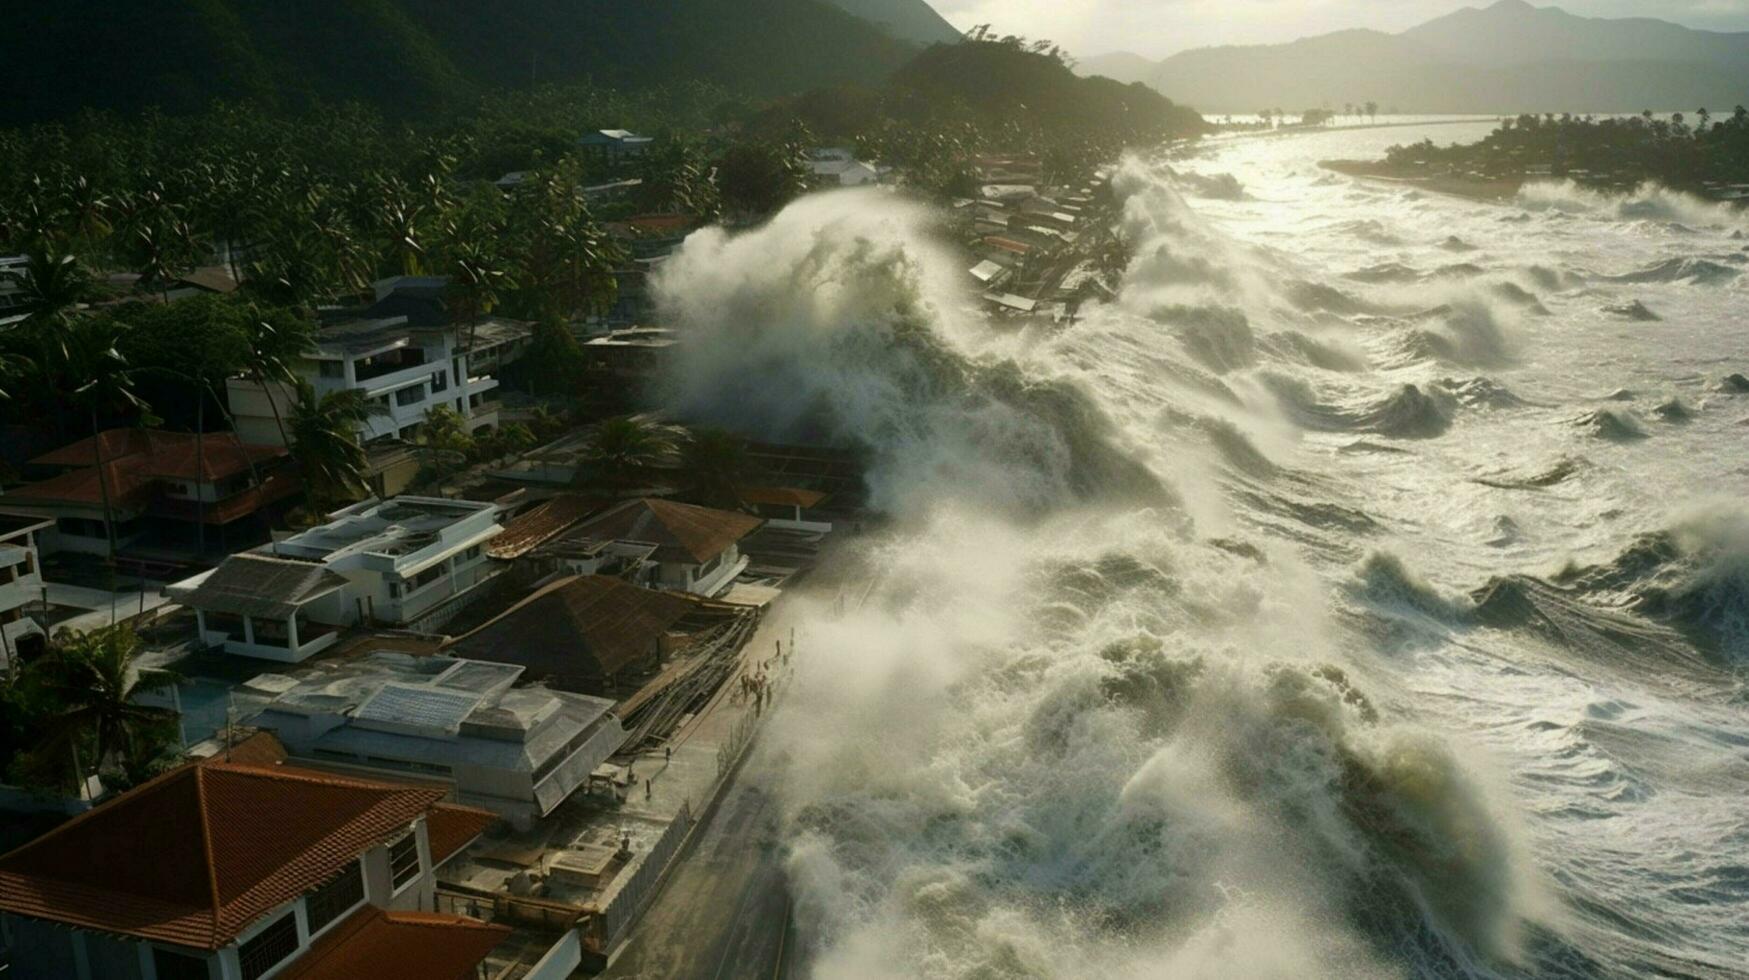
<point x="92" y="356"/>
<point x="621" y="452"/>
<point x="276" y="341"/>
<point x="324" y="441"/>
<point x="716" y="466"/>
<point x="54" y="285"/>
<point x="95" y="675"/>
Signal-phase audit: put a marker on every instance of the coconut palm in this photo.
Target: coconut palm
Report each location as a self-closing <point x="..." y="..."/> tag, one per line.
<point x="107" y="385"/>
<point x="715" y="464"/>
<point x="276" y="340"/>
<point x="621" y="453"/>
<point x="324" y="440"/>
<point x="96" y="676"/>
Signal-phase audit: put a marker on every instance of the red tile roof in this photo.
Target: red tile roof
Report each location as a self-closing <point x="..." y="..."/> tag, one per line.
<point x="196" y="855"/>
<point x="449" y="828"/>
<point x="678" y="530"/>
<point x="259" y="749"/>
<point x="135" y="459"/>
<point x="395" y="945"/>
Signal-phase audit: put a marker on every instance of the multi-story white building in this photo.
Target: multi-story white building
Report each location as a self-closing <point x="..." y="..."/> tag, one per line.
<point x="21" y="582"/>
<point x="405" y="370"/>
<point x="410" y="561"/>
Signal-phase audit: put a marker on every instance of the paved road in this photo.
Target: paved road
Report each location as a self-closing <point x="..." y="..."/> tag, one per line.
<point x="724" y="915"/>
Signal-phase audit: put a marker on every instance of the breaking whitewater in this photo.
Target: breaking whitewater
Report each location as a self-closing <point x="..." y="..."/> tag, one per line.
<point x="1362" y="591"/>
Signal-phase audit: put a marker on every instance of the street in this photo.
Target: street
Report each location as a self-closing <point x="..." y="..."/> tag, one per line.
<point x="725" y="912"/>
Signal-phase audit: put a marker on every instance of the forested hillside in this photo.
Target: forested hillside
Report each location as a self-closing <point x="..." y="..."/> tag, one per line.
<point x="411" y="57"/>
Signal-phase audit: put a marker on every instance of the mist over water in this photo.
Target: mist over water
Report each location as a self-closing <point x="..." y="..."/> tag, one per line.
<point x="1303" y="611"/>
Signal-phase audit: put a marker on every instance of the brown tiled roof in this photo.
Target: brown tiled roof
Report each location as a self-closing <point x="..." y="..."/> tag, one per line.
<point x="680" y="531"/>
<point x="387" y="945"/>
<point x="1008" y="244"/>
<point x="450" y="828"/>
<point x="134" y="459"/>
<point x="540" y="524"/>
<point x="196" y="855"/>
<point x="781" y="496"/>
<point x="260" y="749"/>
<point x="168" y="455"/>
<point x="590" y="626"/>
<point x="129" y="489"/>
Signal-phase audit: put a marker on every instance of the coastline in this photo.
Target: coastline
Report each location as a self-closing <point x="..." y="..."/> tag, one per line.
<point x="1494" y="190"/>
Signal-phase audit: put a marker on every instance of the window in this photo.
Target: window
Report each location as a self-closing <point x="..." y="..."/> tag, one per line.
<point x="439" y="381"/>
<point x="331" y="369"/>
<point x="270" y="947"/>
<point x="178" y="966"/>
<point x="411" y="395"/>
<point x="404" y="859"/>
<point x="394" y="589"/>
<point x="340" y="893"/>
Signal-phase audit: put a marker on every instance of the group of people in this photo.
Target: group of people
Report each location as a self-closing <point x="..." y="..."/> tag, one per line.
<point x="755" y="686"/>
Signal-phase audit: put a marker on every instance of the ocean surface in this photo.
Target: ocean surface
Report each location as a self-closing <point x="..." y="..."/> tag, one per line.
<point x="1361" y="591"/>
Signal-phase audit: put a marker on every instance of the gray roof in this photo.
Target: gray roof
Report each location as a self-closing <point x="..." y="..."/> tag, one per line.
<point x="256" y="585"/>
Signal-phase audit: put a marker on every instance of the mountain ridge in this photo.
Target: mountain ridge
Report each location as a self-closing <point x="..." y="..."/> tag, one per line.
<point x="414" y="57"/>
<point x="1483" y="60"/>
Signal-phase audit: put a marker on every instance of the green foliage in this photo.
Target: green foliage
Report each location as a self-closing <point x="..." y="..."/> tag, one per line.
<point x="73" y="711"/>
<point x="445" y="431"/>
<point x="759" y="178"/>
<point x="1616" y="151"/>
<point x="324" y="440"/>
<point x="415" y="58"/>
<point x="715" y="465"/>
<point x="621" y="454"/>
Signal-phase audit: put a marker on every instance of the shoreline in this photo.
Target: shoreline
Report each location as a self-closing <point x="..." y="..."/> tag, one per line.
<point x="1495" y="190"/>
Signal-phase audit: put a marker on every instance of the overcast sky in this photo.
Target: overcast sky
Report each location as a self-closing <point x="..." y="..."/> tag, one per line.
<point x="1157" y="28"/>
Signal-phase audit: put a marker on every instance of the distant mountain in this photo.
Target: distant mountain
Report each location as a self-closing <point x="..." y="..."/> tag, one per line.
<point x="1510" y="57"/>
<point x="1122" y="66"/>
<point x="415" y="56"/>
<point x="908" y="20"/>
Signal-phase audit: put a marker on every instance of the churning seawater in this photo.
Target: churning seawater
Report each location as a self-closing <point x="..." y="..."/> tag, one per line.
<point x="1362" y="591"/>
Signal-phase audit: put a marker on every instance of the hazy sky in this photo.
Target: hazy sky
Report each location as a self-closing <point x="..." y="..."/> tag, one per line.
<point x="1157" y="28"/>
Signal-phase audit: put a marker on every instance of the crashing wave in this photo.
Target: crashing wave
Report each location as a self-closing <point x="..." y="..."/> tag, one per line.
<point x="1693" y="576"/>
<point x="1481" y="393"/>
<point x="1649" y="201"/>
<point x="1610" y="424"/>
<point x="1291" y="345"/>
<point x="1673" y="410"/>
<point x="1700" y="272"/>
<point x="1218" y="337"/>
<point x="830" y="324"/>
<point x="1407" y="413"/>
<point x="1453" y="243"/>
<point x="1219" y="187"/>
<point x="1388" y="272"/>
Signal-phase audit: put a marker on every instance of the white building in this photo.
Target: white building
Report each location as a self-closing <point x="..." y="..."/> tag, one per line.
<point x="516" y="751"/>
<point x="404" y="369"/>
<point x="411" y="562"/>
<point x="21" y="582"/>
<point x="839" y="166"/>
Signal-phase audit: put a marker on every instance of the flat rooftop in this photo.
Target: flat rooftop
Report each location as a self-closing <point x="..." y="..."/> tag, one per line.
<point x="395" y="527"/>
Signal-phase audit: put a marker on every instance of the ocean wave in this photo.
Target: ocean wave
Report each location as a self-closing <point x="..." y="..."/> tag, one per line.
<point x="1701" y="272"/>
<point x="1481" y="393"/>
<point x="1692" y="576"/>
<point x="831" y="324"/>
<point x="1407" y="413"/>
<point x="1648" y="201"/>
<point x="1218" y="337"/>
<point x="1610" y="424"/>
<point x="1556" y="473"/>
